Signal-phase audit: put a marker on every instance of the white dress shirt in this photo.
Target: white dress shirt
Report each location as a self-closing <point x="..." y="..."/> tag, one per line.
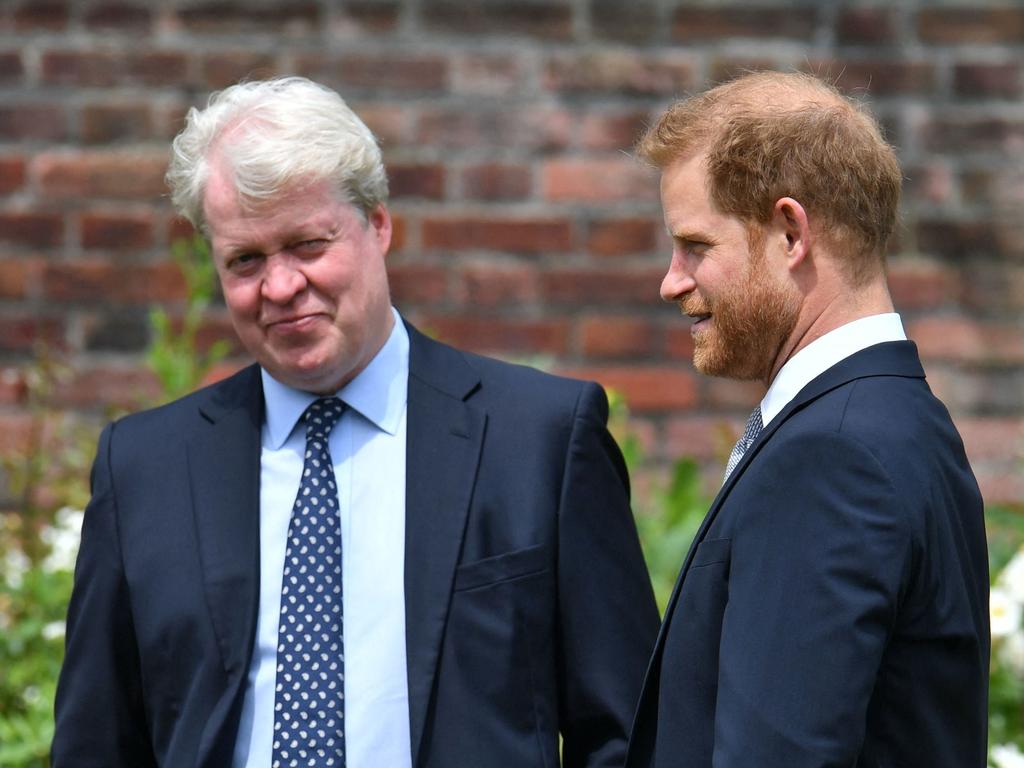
<point x="824" y="352"/>
<point x="368" y="450"/>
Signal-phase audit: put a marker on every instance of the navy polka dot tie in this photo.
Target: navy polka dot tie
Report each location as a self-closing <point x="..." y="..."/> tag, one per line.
<point x="309" y="728"/>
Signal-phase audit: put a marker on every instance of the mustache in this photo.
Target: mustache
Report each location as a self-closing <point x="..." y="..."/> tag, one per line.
<point x="694" y="305"/>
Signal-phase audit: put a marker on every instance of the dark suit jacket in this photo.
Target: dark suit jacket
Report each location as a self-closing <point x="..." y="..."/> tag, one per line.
<point x="833" y="609"/>
<point x="528" y="606"/>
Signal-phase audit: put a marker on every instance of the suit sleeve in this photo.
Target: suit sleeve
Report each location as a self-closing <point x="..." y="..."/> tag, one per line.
<point x="608" y="618"/>
<point x="99" y="712"/>
<point x="820" y="558"/>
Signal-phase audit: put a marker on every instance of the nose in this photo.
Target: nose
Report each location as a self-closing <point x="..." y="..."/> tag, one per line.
<point x="678" y="281"/>
<point x="283" y="280"/>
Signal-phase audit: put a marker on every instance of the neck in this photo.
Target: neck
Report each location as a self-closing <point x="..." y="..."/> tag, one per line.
<point x="823" y="312"/>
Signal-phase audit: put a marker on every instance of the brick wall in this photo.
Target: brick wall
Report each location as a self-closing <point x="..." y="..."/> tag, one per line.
<point x="524" y="228"/>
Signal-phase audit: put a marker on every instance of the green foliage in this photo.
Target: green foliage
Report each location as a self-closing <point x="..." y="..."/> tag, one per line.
<point x="173" y="354"/>
<point x="38" y="538"/>
<point x="668" y="514"/>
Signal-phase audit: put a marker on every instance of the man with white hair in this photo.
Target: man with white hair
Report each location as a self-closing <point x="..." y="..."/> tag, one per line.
<point x="368" y="549"/>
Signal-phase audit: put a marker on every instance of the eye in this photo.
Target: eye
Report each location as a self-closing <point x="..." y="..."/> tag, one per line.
<point x="244" y="263"/>
<point x="311" y="247"/>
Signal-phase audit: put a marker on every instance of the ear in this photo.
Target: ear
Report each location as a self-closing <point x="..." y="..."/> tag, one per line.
<point x="379" y="220"/>
<point x="789" y="219"/>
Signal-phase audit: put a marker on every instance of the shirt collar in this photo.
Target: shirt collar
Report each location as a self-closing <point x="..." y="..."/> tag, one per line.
<point x="378" y="393"/>
<point x="824" y="352"/>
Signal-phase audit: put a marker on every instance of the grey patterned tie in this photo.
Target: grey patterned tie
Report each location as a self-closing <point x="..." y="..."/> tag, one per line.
<point x="309" y="708"/>
<point x="750" y="434"/>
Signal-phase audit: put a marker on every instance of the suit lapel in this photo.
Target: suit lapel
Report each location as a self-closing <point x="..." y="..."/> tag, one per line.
<point x="896" y="358"/>
<point x="444" y="439"/>
<point x="224" y="468"/>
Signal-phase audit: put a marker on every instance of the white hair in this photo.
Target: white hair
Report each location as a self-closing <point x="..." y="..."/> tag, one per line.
<point x="272" y="134"/>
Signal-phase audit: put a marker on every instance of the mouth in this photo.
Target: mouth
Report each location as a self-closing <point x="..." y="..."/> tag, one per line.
<point x="700" y="320"/>
<point x="289" y="325"/>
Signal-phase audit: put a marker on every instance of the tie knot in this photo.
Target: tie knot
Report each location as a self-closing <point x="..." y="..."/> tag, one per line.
<point x="321" y="416"/>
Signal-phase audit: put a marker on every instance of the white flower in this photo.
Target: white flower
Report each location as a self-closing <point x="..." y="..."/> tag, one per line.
<point x="1004" y="612"/>
<point x="1011" y="652"/>
<point x="1007" y="756"/>
<point x="63" y="537"/>
<point x="1012" y="577"/>
<point x="54" y="629"/>
<point x="14" y="566"/>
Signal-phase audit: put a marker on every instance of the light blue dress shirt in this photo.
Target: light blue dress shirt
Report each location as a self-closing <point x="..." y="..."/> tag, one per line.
<point x="368" y="449"/>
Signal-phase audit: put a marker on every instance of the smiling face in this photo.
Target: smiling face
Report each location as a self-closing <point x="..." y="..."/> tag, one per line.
<point x="723" y="277"/>
<point x="304" y="280"/>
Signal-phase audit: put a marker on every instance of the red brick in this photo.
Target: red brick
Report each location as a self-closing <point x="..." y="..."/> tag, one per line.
<point x="921" y="284"/>
<point x="123" y="386"/>
<point x="599" y="181"/>
<point x="41" y="14"/>
<point x="417" y="283"/>
<point x="16" y="432"/>
<point x="100" y="281"/>
<point x="95" y="68"/>
<point x="117" y="231"/>
<point x="866" y="26"/>
<point x="32" y="229"/>
<point x="635" y="22"/>
<point x="12" y="174"/>
<point x="287" y="17"/>
<point x="877" y="77"/>
<point x="621" y="237"/>
<point x="108" y="123"/>
<point x="179" y="229"/>
<point x="497" y="181"/>
<point x="703" y="437"/>
<point x="721" y="394"/>
<point x="500" y="335"/>
<point x="970" y="24"/>
<point x="992" y="287"/>
<point x="621" y="72"/>
<point x="958" y="135"/>
<point x="698" y="24"/>
<point x="956" y="239"/>
<point x="114" y="175"/>
<point x="934" y="182"/>
<point x="497" y="234"/>
<point x="372" y="15"/>
<point x="11" y="68"/>
<point x="537" y="19"/>
<point x="992" y="438"/>
<point x="38" y="122"/>
<point x="542" y="129"/>
<point x="120" y="16"/>
<point x="962" y="339"/>
<point x="425" y="180"/>
<point x="985" y="81"/>
<point x="679" y="340"/>
<point x="1004" y="485"/>
<point x="613" y="130"/>
<point x="631" y="285"/>
<point x="381" y="72"/>
<point x="497" y="285"/>
<point x="115" y="330"/>
<point x="223" y="68"/>
<point x="217" y="328"/>
<point x="18" y="277"/>
<point x="486" y="74"/>
<point x="392" y="124"/>
<point x="21" y="333"/>
<point x="623" y="336"/>
<point x="13" y="386"/>
<point x="728" y="67"/>
<point x="645" y="387"/>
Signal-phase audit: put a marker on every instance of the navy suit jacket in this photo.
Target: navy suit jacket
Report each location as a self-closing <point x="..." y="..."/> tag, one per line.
<point x="833" y="608"/>
<point x="528" y="607"/>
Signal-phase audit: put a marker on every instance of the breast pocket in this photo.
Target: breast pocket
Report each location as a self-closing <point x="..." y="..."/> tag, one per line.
<point x="505" y="567"/>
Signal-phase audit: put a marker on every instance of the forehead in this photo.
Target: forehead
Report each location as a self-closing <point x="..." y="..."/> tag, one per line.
<point x="686" y="200"/>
